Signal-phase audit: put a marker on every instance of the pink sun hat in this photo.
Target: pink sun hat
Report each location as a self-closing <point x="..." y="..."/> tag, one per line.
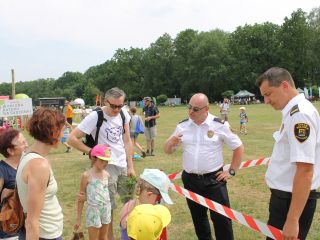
<point x="102" y="152"/>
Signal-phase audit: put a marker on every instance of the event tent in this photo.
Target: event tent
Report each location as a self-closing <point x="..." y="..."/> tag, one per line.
<point x="243" y="94"/>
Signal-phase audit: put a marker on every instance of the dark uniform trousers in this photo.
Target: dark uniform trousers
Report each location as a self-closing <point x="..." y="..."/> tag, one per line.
<point x="279" y="208"/>
<point x="207" y="186"/>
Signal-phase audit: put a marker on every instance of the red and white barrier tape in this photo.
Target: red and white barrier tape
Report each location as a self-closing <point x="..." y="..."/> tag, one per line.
<point x="246" y="164"/>
<point x="234" y="215"/>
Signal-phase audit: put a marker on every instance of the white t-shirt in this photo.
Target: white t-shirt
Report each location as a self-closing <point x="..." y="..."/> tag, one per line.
<point x="203" y="144"/>
<point x="110" y="133"/>
<point x="224" y="108"/>
<point x="298" y="140"/>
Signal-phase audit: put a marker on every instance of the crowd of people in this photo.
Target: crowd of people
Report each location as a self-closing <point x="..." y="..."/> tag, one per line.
<point x="293" y="174"/>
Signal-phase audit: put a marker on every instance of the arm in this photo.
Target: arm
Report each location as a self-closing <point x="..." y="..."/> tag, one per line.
<point x="128" y="149"/>
<point x="236" y="161"/>
<point x="80" y="203"/>
<point x="300" y="193"/>
<point x="153" y="117"/>
<point x="36" y="175"/>
<point x="75" y="141"/>
<point x="172" y="143"/>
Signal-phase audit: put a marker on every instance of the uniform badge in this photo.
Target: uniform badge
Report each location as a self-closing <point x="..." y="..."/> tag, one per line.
<point x="210" y="134"/>
<point x="301" y="131"/>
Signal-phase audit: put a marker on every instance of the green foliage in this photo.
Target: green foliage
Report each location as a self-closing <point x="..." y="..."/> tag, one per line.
<point x="211" y="62"/>
<point x="161" y="99"/>
<point x="227" y="94"/>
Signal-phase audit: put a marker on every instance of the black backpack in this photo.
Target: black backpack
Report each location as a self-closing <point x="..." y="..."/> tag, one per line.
<point x="89" y="141"/>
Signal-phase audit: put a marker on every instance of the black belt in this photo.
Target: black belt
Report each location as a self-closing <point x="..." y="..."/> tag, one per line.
<point x="288" y="195"/>
<point x="204" y="175"/>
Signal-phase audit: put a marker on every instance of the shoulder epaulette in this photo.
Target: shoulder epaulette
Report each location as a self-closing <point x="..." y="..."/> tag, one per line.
<point x="184" y="120"/>
<point x="294" y="110"/>
<point x="219" y="120"/>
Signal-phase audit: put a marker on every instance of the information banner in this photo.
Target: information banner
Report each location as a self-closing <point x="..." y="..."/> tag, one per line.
<point x="16" y="107"/>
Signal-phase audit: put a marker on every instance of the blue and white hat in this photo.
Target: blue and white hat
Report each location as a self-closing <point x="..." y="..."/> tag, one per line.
<point x="159" y="180"/>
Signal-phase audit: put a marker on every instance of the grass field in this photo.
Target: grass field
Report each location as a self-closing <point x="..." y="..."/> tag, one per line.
<point x="248" y="191"/>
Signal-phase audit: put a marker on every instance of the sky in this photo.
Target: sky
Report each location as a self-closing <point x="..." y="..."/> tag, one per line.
<point x="46" y="38"/>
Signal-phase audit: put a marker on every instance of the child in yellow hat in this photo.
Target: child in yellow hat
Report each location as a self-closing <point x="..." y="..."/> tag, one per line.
<point x="146" y="221"/>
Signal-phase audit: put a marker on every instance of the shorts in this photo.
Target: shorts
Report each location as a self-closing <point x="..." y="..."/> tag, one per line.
<point x="63" y="139"/>
<point x="98" y="215"/>
<point x="150" y="133"/>
<point x="134" y="135"/>
<point x="224" y="116"/>
<point x="117" y="184"/>
<point x="242" y="123"/>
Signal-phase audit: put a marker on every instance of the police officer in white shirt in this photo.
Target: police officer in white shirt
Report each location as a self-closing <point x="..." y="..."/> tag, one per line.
<point x="202" y="137"/>
<point x="293" y="174"/>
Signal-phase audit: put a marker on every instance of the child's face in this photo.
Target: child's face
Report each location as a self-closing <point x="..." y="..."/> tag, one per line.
<point x="100" y="164"/>
<point x="151" y="198"/>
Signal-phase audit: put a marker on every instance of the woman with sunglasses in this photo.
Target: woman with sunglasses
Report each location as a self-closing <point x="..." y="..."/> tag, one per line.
<point x="12" y="145"/>
<point x="36" y="183"/>
<point x="152" y="186"/>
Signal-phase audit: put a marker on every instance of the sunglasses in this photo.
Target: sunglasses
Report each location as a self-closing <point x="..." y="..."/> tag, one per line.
<point x="113" y="106"/>
<point x="195" y="109"/>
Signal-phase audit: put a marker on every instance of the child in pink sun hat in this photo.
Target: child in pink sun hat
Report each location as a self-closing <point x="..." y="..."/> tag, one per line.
<point x="94" y="185"/>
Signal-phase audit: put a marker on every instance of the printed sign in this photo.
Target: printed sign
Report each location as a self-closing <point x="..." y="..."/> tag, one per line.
<point x="16" y="107"/>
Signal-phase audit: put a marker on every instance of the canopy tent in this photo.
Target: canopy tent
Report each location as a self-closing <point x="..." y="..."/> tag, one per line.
<point x="243" y="97"/>
<point x="242" y="94"/>
<point x="78" y="101"/>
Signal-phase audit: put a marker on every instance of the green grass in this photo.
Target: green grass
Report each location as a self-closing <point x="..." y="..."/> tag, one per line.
<point x="248" y="191"/>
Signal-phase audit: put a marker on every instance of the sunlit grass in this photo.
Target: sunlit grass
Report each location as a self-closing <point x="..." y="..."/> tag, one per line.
<point x="248" y="191"/>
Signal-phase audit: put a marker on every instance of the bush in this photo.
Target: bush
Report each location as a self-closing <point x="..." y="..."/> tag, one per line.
<point x="161" y="99"/>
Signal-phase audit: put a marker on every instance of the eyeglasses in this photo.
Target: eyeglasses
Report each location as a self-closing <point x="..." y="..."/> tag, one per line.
<point x="113" y="106"/>
<point x="195" y="109"/>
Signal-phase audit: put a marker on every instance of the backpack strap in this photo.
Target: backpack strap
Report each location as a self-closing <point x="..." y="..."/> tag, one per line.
<point x="99" y="123"/>
<point x="123" y="121"/>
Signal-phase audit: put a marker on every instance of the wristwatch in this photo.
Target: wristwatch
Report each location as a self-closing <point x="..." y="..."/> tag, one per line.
<point x="232" y="172"/>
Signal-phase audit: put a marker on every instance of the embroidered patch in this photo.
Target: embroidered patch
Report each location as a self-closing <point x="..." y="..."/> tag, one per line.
<point x="210" y="134"/>
<point x="301" y="131"/>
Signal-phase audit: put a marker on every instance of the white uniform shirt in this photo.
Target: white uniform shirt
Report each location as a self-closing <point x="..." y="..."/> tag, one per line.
<point x="298" y="140"/>
<point x="110" y="133"/>
<point x="202" y="144"/>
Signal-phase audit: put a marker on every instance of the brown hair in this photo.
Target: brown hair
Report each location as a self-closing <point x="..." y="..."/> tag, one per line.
<point x="6" y="137"/>
<point x="144" y="185"/>
<point x="133" y="110"/>
<point x="46" y="124"/>
<point x="275" y="76"/>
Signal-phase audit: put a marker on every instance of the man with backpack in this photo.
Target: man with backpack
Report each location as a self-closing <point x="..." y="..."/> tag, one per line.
<point x="113" y="130"/>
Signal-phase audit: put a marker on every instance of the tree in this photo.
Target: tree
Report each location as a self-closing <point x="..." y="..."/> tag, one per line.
<point x="295" y="44"/>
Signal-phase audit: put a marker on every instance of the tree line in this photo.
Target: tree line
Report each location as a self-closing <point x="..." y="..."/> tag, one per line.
<point x="210" y="62"/>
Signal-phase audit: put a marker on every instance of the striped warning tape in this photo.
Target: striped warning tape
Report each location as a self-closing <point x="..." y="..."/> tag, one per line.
<point x="234" y="215"/>
<point x="246" y="164"/>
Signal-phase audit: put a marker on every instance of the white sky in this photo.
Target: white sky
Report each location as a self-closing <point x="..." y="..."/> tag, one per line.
<point x="45" y="38"/>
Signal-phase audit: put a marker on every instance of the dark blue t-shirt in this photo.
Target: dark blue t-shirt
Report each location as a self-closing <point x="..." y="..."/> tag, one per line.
<point x="150" y="111"/>
<point x="8" y="174"/>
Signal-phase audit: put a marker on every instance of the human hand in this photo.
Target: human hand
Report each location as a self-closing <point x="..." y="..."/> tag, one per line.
<point x="223" y="176"/>
<point x="131" y="172"/>
<point x="76" y="226"/>
<point x="290" y="230"/>
<point x="148" y="118"/>
<point x="176" y="140"/>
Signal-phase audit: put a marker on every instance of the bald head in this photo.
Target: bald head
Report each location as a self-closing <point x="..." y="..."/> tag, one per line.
<point x="198" y="108"/>
<point x="200" y="99"/>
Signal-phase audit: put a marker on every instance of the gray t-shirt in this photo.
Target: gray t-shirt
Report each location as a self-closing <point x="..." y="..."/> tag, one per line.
<point x="133" y="123"/>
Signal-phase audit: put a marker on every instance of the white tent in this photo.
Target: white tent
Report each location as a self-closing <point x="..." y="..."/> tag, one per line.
<point x="78" y="101"/>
